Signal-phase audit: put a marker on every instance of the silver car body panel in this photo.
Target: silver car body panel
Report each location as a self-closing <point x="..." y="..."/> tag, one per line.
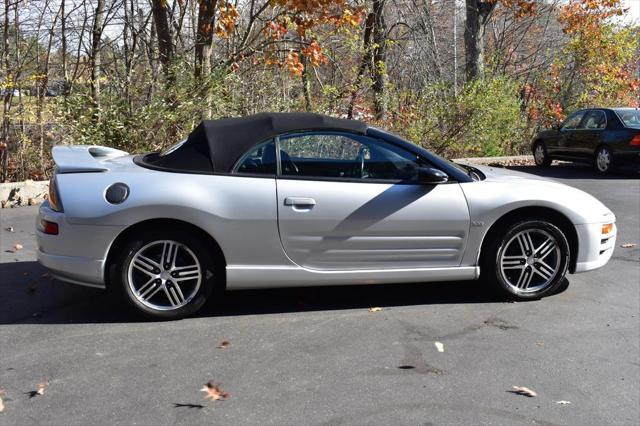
<point x="354" y="233"/>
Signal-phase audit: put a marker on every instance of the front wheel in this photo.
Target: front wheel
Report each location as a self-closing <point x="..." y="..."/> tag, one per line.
<point x="164" y="274"/>
<point x="528" y="261"/>
<point x="540" y="155"/>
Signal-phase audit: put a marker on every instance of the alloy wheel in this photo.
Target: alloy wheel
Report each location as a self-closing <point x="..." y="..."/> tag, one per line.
<point x="530" y="260"/>
<point x="164" y="275"/>
<point x="603" y="160"/>
<point x="539" y="154"/>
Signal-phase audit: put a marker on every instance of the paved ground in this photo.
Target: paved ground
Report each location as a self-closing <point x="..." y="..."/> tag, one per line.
<point x="318" y="356"/>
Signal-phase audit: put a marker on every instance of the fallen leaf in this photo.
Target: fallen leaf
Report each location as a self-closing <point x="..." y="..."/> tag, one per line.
<point x="439" y="346"/>
<point x="9" y="229"/>
<point x="224" y="344"/>
<point x="563" y="402"/>
<point x="214" y="392"/>
<point x="376" y="309"/>
<point x="521" y="390"/>
<point x="42" y="386"/>
<point x="18" y="247"/>
<point x="628" y="245"/>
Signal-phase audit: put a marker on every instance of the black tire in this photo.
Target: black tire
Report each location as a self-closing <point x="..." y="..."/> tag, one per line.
<point x="502" y="279"/>
<point x="542" y="160"/>
<point x="195" y="247"/>
<point x="600" y="165"/>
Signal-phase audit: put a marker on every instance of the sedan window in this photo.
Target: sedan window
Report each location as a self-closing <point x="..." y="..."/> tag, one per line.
<point x="573" y="122"/>
<point x="338" y="155"/>
<point x="595" y="120"/>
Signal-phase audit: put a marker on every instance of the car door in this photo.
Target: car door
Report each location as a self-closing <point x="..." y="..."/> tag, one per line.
<point x="589" y="134"/>
<point x="353" y="202"/>
<point x="569" y="132"/>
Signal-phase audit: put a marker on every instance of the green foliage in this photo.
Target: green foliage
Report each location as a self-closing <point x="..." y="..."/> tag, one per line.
<point x="485" y="119"/>
<point x="171" y="113"/>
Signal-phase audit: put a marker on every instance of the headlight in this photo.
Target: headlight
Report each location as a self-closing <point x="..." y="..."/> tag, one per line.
<point x="54" y="198"/>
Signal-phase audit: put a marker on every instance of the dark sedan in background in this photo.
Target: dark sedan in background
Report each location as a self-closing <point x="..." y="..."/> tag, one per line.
<point x="605" y="137"/>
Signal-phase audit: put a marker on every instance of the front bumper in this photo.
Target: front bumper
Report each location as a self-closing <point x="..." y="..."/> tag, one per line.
<point x="594" y="248"/>
<point x="78" y="253"/>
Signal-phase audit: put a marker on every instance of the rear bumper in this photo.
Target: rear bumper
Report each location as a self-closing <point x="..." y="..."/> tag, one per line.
<point x="74" y="269"/>
<point x="627" y="158"/>
<point x="78" y="253"/>
<point x="594" y="248"/>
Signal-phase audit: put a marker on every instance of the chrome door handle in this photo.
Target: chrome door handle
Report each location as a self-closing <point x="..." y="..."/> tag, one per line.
<point x="299" y="202"/>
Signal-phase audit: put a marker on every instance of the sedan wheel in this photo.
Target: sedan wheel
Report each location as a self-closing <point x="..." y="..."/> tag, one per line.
<point x="603" y="160"/>
<point x="529" y="261"/>
<point x="165" y="274"/>
<point x="540" y="155"/>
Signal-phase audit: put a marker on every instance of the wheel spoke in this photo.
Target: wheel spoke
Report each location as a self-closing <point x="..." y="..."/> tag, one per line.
<point x="151" y="292"/>
<point x="525" y="278"/>
<point x="513" y="262"/>
<point x="170" y="297"/>
<point x="544" y="271"/>
<point x="169" y="254"/>
<point x="145" y="264"/>
<point x="185" y="273"/>
<point x="545" y="248"/>
<point x="176" y="288"/>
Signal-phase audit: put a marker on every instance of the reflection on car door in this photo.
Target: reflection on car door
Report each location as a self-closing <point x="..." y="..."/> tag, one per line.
<point x="350" y="218"/>
<point x="589" y="134"/>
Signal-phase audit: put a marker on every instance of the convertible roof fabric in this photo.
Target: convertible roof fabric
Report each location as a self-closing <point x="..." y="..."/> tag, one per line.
<point x="225" y="140"/>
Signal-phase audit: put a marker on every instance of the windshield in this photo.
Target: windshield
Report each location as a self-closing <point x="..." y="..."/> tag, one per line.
<point x="470" y="171"/>
<point x="630" y="117"/>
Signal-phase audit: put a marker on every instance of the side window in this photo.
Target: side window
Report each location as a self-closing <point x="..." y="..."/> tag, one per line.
<point x="595" y="120"/>
<point x="573" y="121"/>
<point x="261" y="160"/>
<point x="339" y="155"/>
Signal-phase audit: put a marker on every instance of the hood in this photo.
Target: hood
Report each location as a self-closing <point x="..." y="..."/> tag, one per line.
<point x="525" y="189"/>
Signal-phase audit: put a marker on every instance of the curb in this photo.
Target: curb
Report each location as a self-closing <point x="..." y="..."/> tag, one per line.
<point x="27" y="193"/>
<point x="486" y="161"/>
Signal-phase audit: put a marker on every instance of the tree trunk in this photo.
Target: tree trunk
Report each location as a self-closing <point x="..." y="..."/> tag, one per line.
<point x="379" y="60"/>
<point x="165" y="40"/>
<point x="96" y="32"/>
<point x="204" y="37"/>
<point x="366" y="60"/>
<point x="478" y="13"/>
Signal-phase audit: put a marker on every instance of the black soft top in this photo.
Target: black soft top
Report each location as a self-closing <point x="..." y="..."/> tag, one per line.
<point x="216" y="145"/>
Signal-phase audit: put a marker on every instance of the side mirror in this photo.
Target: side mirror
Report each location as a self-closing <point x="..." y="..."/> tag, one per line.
<point x="429" y="175"/>
<point x="556" y="127"/>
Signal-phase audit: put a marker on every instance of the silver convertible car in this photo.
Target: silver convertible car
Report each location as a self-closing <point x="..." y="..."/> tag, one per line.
<point x="298" y="199"/>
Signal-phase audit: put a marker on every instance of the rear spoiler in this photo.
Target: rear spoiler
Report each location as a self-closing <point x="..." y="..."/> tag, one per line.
<point x="84" y="158"/>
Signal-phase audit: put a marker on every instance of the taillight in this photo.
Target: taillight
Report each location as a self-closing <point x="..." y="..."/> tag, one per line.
<point x="50" y="228"/>
<point x="54" y="198"/>
<point x="636" y="140"/>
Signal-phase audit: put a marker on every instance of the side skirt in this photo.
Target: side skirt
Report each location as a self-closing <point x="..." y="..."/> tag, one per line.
<point x="254" y="277"/>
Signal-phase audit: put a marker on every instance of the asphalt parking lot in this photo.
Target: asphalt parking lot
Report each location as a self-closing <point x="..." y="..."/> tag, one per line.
<point x="319" y="356"/>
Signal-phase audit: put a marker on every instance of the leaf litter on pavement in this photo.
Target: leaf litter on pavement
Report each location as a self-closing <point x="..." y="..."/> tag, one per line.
<point x="523" y="390"/>
<point x="214" y="392"/>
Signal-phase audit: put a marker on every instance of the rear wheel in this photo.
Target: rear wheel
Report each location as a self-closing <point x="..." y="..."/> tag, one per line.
<point x="603" y="161"/>
<point x="528" y="261"/>
<point x="165" y="274"/>
<point x="540" y="155"/>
